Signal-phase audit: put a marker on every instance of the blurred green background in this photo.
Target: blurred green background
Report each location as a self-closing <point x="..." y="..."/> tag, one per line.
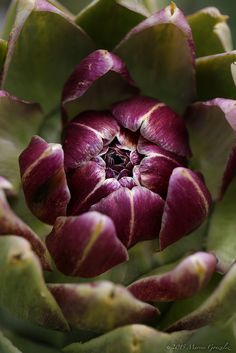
<point x="227" y="7"/>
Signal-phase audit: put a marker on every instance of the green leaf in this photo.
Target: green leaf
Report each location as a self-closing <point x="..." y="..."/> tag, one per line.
<point x="101" y="306"/>
<point x="76" y="5"/>
<point x="217" y="309"/>
<point x="37" y="333"/>
<point x="192" y="242"/>
<point x="212" y="134"/>
<point x="211" y="24"/>
<point x="221" y="233"/>
<point x="28" y="346"/>
<point x="23" y="291"/>
<point x="9" y="19"/>
<point x="3" y="51"/>
<point x="51" y="127"/>
<point x="216" y="76"/>
<point x="21" y="209"/>
<point x="19" y="120"/>
<point x="6" y="346"/>
<point x="212" y="339"/>
<point x="44" y="48"/>
<point x="130" y="339"/>
<point x="117" y="17"/>
<point x="142" y="259"/>
<point x="159" y="55"/>
<point x="154" y="5"/>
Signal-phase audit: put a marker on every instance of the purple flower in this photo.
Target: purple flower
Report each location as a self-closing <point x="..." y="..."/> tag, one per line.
<point x="119" y="177"/>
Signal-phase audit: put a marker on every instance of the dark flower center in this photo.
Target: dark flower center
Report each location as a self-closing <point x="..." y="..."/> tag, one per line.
<point x="119" y="161"/>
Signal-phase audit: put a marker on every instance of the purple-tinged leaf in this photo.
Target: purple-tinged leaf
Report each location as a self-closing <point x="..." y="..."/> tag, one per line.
<point x="136" y="213"/>
<point x="10" y="223"/>
<point x="97" y="81"/>
<point x="44" y="180"/>
<point x="101" y="306"/>
<point x="88" y="185"/>
<point x="85" y="245"/>
<point x="159" y="54"/>
<point x="183" y="281"/>
<point x="217" y="309"/>
<point x="187" y="205"/>
<point x="155" y="171"/>
<point x="157" y="123"/>
<point x="212" y="127"/>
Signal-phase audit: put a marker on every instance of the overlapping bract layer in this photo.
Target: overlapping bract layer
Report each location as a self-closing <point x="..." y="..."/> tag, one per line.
<point x="120" y="175"/>
<point x="128" y="163"/>
<point x="10" y="223"/>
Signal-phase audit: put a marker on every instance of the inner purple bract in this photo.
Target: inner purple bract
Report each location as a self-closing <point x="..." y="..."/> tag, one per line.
<point x="120" y="161"/>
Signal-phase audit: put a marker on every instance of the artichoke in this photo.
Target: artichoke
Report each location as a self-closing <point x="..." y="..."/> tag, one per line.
<point x="117" y="186"/>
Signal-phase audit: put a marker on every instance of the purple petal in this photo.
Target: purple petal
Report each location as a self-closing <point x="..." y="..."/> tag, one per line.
<point x="44" y="181"/>
<point x="127" y="182"/>
<point x="80" y="144"/>
<point x="183" y="281"/>
<point x="132" y="112"/>
<point x="88" y="186"/>
<point x="10" y="223"/>
<point x="127" y="139"/>
<point x="102" y="123"/>
<point x="135" y="157"/>
<point x="94" y="67"/>
<point x="151" y="149"/>
<point x="165" y="128"/>
<point x="136" y="213"/>
<point x="157" y="123"/>
<point x="85" y="245"/>
<point x="83" y="182"/>
<point x="186" y="207"/>
<point x="155" y="171"/>
<point x="86" y="136"/>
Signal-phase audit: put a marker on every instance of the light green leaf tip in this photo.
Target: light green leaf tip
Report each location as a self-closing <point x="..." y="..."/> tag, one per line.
<point x="209" y="23"/>
<point x="23" y="291"/>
